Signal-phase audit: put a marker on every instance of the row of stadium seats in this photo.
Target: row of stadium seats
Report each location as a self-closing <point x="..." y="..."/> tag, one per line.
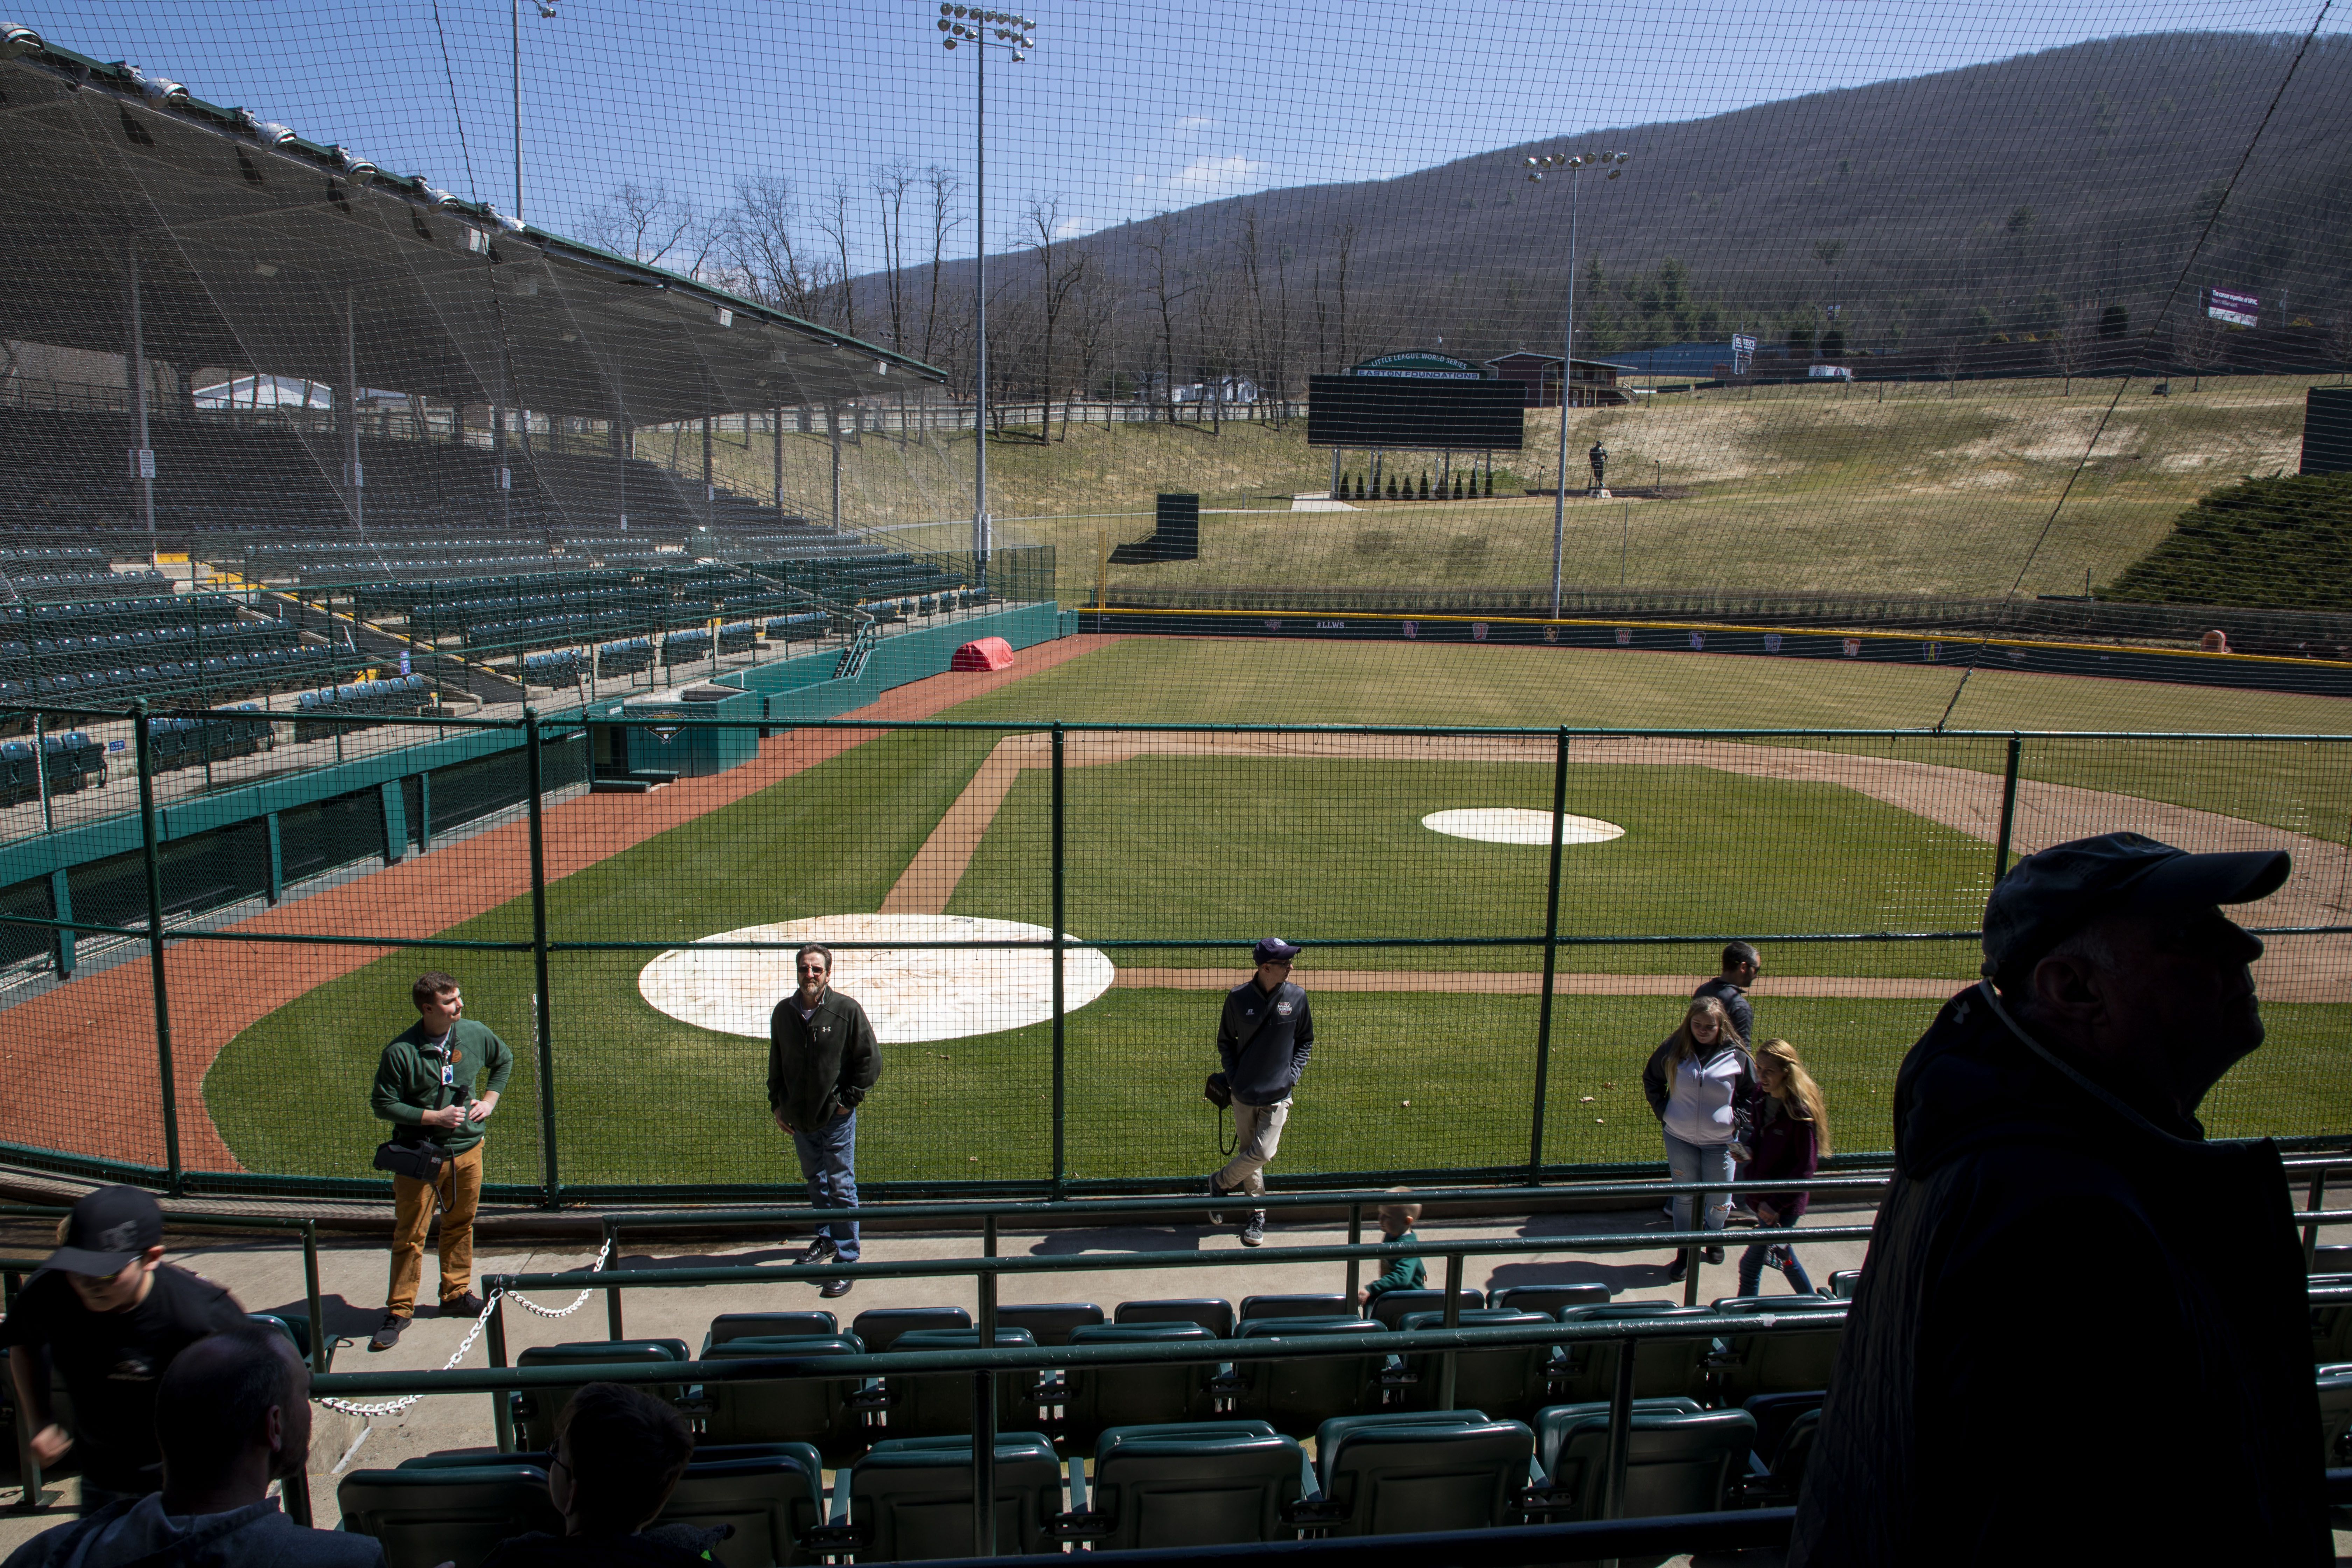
<point x="400" y="694"/>
<point x="86" y="617"/>
<point x="71" y="762"/>
<point x="1185" y="1484"/>
<point x="631" y="656"/>
<point x="693" y="646"/>
<point x="100" y="584"/>
<point x="174" y="743"/>
<point x="810" y="624"/>
<point x="559" y="668"/>
<point x="24" y="659"/>
<point x="53" y="558"/>
<point x="262" y="670"/>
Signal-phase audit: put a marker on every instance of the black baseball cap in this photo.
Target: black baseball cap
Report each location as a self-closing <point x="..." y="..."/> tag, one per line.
<point x="109" y="1228"/>
<point x="1273" y="949"/>
<point x="2048" y="895"/>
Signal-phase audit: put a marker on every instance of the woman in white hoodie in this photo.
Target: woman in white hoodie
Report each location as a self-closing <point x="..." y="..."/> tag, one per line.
<point x="1701" y="1084"/>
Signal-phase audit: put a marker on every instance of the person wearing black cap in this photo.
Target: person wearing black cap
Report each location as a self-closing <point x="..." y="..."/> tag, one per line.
<point x="2081" y="1332"/>
<point x="1264" y="1038"/>
<point x="112" y="1315"/>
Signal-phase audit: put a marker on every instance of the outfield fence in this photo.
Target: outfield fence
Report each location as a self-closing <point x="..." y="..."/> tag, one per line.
<point x="1042" y="918"/>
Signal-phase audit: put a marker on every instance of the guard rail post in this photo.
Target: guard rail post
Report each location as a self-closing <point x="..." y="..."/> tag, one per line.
<point x="501" y="1406"/>
<point x="1453" y="1321"/>
<point x="143" y="735"/>
<point x="2311" y="1232"/>
<point x="1550" y="960"/>
<point x="318" y="1340"/>
<point x="2008" y="808"/>
<point x="612" y="1254"/>
<point x="1061" y="1167"/>
<point x="1695" y="1255"/>
<point x="1355" y="1238"/>
<point x="545" y="1010"/>
<point x="1621" y="1435"/>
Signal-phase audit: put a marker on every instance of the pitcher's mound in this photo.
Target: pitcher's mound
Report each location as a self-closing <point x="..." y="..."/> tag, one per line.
<point x="1517" y="825"/>
<point x="911" y="994"/>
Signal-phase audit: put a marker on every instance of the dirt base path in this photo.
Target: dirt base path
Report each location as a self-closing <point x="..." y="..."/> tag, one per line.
<point x="1519" y="983"/>
<point x="78" y="1070"/>
<point x="2316" y="969"/>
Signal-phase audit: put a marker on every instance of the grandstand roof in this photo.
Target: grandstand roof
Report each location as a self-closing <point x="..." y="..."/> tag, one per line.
<point x="251" y="241"/>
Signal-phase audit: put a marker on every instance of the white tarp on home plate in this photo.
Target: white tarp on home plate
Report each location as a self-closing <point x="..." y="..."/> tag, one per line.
<point x="911" y="994"/>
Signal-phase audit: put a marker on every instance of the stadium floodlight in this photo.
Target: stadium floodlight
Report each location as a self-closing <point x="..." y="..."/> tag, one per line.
<point x="16" y="38"/>
<point x="277" y="135"/>
<point x="1016" y="35"/>
<point x="1576" y="163"/>
<point x="546" y="9"/>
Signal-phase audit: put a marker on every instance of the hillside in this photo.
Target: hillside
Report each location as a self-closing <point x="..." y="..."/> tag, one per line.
<point x="2020" y="196"/>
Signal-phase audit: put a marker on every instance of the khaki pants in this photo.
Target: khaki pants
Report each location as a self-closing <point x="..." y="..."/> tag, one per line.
<point x="460" y="1183"/>
<point x="1257" y="1132"/>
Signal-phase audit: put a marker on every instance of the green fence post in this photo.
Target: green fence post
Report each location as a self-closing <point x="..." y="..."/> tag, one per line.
<point x="1061" y="1168"/>
<point x="144" y="757"/>
<point x="2008" y="808"/>
<point x="1551" y="959"/>
<point x="544" y="1024"/>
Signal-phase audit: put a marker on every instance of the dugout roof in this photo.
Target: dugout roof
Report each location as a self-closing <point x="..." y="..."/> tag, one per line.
<point x="260" y="250"/>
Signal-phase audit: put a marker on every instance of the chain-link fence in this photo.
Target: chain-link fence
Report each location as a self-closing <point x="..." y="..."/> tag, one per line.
<point x="1500" y="925"/>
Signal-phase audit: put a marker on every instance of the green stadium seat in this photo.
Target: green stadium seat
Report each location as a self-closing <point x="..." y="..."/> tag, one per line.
<point x="1842" y="1283"/>
<point x="1050" y="1323"/>
<point x="1660" y="1367"/>
<point x="1680" y="1460"/>
<point x="939" y="1404"/>
<point x="771" y="1500"/>
<point x="878" y="1328"/>
<point x="1095" y="1399"/>
<point x="1403" y="1472"/>
<point x="1786" y="1425"/>
<point x="535" y="1409"/>
<point x="911" y="1498"/>
<point x="768" y="1325"/>
<point x="1548" y="1297"/>
<point x="1391" y="1308"/>
<point x="2336" y="1414"/>
<point x="1510" y="1380"/>
<point x="425" y="1517"/>
<point x="1298" y="1395"/>
<point x="1209" y="1312"/>
<point x="1264" y="1307"/>
<point x="1750" y="1364"/>
<point x="1188" y="1484"/>
<point x="826" y="1412"/>
<point x="2331" y="1325"/>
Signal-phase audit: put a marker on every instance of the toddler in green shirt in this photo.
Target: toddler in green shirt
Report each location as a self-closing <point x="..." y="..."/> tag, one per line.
<point x="1404" y="1273"/>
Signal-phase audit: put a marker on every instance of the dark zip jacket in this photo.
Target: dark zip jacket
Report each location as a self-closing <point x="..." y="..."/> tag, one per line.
<point x="2078" y="1337"/>
<point x="827" y="1061"/>
<point x="1264" y="1041"/>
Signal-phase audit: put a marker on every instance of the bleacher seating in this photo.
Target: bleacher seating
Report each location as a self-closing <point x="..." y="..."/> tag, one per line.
<point x="1188" y="1484"/>
<point x="911" y="1498"/>
<point x="534" y="1410"/>
<point x="1397" y="1472"/>
<point x="1682" y="1458"/>
<point x="403" y="694"/>
<point x="559" y="668"/>
<point x="174" y="743"/>
<point x="71" y="762"/>
<point x="631" y="656"/>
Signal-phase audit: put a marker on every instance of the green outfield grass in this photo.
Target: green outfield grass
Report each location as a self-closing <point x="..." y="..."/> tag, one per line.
<point x="1196" y="847"/>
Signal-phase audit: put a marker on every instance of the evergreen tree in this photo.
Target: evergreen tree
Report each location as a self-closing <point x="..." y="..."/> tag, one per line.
<point x="1425" y="484"/>
<point x="1392" y="495"/>
<point x="2114" y="322"/>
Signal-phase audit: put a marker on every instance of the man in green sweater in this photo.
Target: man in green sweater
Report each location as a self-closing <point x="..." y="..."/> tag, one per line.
<point x="426" y="1088"/>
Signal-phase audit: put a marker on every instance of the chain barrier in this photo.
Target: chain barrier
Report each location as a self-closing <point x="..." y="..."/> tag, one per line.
<point x="399" y="1407"/>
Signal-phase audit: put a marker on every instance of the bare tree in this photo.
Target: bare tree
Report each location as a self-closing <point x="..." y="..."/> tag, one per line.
<point x="891" y="182"/>
<point x="834" y="222"/>
<point x="769" y="257"/>
<point x="1345" y="237"/>
<point x="1094" y="324"/>
<point x="1249" y="251"/>
<point x="1056" y="279"/>
<point x="1282" y="254"/>
<point x="942" y="187"/>
<point x="2070" y="347"/>
<point x="1164" y="281"/>
<point x="646" y="223"/>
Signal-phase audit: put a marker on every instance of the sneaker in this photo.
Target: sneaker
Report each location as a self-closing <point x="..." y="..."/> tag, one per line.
<point x="1254" y="1228"/>
<point x="1679" y="1267"/>
<point x="1715" y="1254"/>
<point x="387" y="1333"/>
<point x="466" y="1306"/>
<point x="821" y="1250"/>
<point x="1217" y="1217"/>
<point x="834" y="1290"/>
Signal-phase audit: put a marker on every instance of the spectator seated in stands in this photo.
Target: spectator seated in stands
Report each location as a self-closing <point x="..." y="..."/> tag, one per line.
<point x="232" y="1415"/>
<point x="1403" y="1273"/>
<point x="617" y="1456"/>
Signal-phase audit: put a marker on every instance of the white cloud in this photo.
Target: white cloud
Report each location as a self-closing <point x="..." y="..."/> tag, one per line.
<point x="1194" y="122"/>
<point x="1204" y="179"/>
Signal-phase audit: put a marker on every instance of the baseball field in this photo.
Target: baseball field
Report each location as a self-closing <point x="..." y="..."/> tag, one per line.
<point x="1199" y="841"/>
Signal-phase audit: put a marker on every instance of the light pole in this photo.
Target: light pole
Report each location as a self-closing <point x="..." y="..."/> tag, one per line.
<point x="514" y="46"/>
<point x="1575" y="163"/>
<point x="983" y="31"/>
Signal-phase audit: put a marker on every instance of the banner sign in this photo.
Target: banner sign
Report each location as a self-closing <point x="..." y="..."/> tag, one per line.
<point x="2238" y="310"/>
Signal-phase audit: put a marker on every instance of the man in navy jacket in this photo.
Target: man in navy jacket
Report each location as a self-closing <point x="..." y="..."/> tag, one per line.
<point x="1263" y="1040"/>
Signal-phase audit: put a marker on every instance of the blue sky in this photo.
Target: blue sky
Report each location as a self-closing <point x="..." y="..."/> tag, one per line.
<point x="1122" y="110"/>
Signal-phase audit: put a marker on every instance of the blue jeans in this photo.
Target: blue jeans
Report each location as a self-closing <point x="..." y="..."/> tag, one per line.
<point x="1687" y="1162"/>
<point x="829" y="1161"/>
<point x="1752" y="1261"/>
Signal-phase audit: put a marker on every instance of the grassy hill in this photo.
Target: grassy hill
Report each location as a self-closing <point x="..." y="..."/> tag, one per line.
<point x="2284" y="541"/>
<point x="1927" y="489"/>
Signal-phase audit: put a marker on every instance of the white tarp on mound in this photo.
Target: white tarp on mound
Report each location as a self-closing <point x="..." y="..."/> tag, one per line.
<point x="912" y="994"/>
<point x="1517" y="825"/>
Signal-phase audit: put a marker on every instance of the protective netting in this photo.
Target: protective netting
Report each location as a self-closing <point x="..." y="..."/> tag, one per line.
<point x="1842" y="395"/>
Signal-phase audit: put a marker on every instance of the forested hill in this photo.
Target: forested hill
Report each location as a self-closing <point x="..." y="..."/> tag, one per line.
<point x="2018" y="196"/>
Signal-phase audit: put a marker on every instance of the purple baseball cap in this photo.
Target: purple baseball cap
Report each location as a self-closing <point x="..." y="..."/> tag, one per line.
<point x="1273" y="949"/>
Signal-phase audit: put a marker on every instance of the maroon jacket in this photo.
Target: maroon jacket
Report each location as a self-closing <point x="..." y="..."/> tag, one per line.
<point x="1782" y="1147"/>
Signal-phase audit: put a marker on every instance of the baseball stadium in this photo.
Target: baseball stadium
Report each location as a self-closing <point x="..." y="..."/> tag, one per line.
<point x="1068" y="518"/>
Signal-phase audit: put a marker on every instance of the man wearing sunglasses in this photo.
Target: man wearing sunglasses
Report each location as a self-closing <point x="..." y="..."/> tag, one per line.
<point x="112" y="1315"/>
<point x="1264" y="1039"/>
<point x="823" y="1060"/>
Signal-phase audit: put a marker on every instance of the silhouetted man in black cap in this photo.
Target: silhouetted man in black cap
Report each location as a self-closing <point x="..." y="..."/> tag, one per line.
<point x="2081" y="1333"/>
